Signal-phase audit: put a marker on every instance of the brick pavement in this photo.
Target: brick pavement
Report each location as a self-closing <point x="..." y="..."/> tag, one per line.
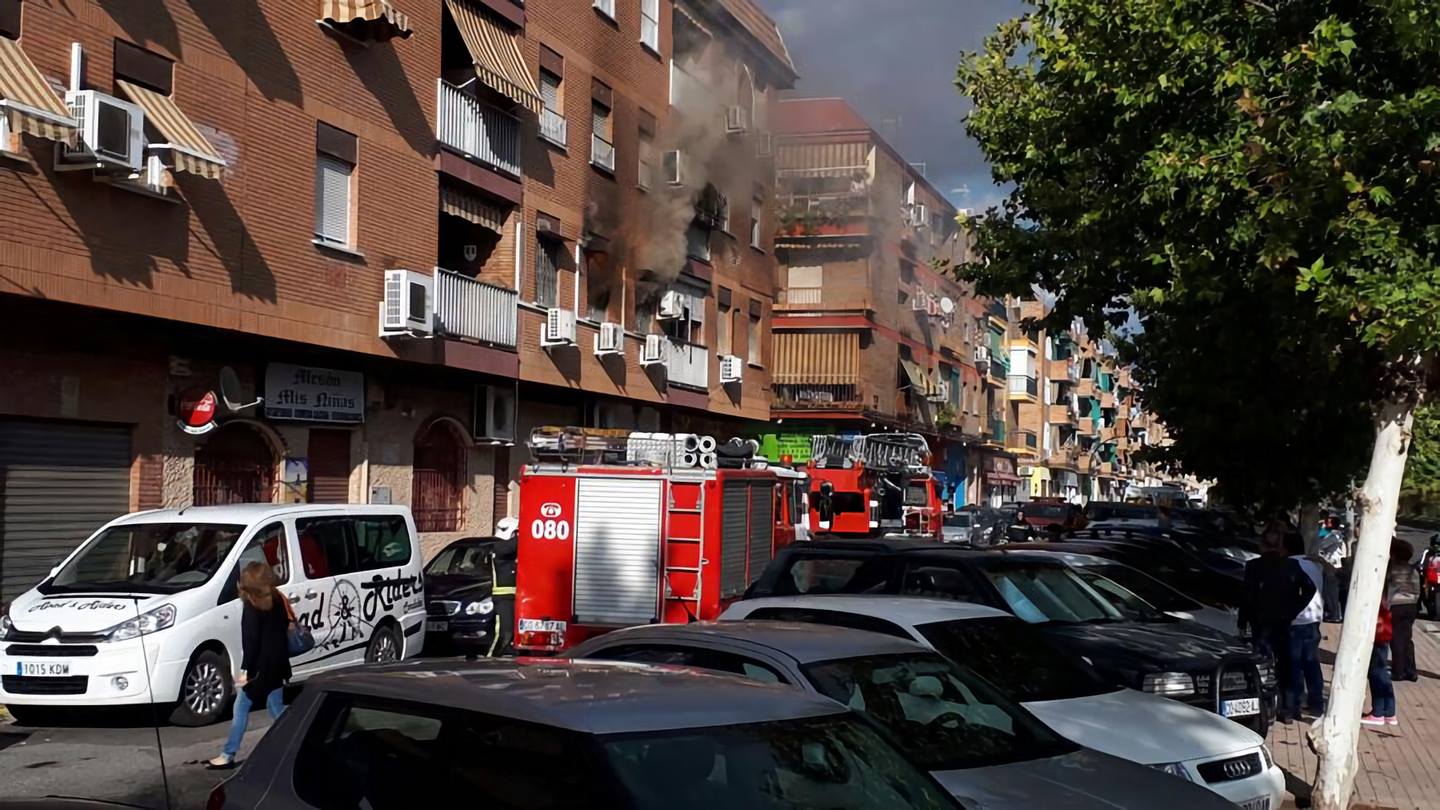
<point x="1399" y="767"/>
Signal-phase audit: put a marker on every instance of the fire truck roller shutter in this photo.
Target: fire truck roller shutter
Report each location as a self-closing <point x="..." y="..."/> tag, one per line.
<point x="617" y="550"/>
<point x="734" y="536"/>
<point x="762" y="525"/>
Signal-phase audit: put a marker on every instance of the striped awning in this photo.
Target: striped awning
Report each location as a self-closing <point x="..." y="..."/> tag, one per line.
<point x="375" y="20"/>
<point x="192" y="152"/>
<point x="817" y="358"/>
<point x="29" y="105"/>
<point x="496" y="52"/>
<point x="471" y="208"/>
<point x="823" y="159"/>
<point x="921" y="382"/>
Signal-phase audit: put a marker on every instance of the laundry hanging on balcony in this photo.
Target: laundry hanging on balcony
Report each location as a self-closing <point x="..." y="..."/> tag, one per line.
<point x="26" y="100"/>
<point x="191" y="151"/>
<point x="368" y="20"/>
<point x="496" y="52"/>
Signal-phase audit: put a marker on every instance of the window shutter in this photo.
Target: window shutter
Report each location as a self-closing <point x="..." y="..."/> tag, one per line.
<point x="332" y="199"/>
<point x="600" y="121"/>
<point x="550" y="91"/>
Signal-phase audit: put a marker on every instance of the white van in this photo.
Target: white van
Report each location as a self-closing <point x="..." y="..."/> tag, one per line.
<point x="146" y="610"/>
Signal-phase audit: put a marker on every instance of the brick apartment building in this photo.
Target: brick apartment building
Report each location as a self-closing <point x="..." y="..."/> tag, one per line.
<point x="308" y="170"/>
<point x="868" y="336"/>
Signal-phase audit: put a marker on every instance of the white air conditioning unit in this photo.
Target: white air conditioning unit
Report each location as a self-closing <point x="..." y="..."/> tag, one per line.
<point x="764" y="144"/>
<point x="494" y="418"/>
<point x="558" y="329"/>
<point x="673" y="166"/>
<point x="919" y="301"/>
<point x="941" y="393"/>
<point x="932" y="306"/>
<point x="409" y="304"/>
<point x="982" y="354"/>
<point x="672" y="306"/>
<point x="610" y="340"/>
<point x="737" y="118"/>
<point x="732" y="368"/>
<point x="112" y="133"/>
<point x="653" y="352"/>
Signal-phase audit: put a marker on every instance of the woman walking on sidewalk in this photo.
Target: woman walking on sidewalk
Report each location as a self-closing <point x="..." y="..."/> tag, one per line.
<point x="265" y="664"/>
<point x="1402" y="587"/>
<point x="1382" y="691"/>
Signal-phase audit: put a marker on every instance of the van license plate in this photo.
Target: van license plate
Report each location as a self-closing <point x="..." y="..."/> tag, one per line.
<point x="1241" y="707"/>
<point x="437" y="627"/>
<point x="47" y="669"/>
<point x="541" y="626"/>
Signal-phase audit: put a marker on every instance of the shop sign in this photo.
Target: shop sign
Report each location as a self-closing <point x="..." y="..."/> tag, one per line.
<point x="1000" y="464"/>
<point x="311" y="394"/>
<point x="795" y="445"/>
<point x="196" y="408"/>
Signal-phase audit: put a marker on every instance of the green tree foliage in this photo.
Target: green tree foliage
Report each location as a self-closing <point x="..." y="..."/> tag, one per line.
<point x="1422" y="472"/>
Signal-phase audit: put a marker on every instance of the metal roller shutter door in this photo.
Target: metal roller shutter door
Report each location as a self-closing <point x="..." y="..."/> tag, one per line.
<point x="762" y="526"/>
<point x="617" y="551"/>
<point x="734" y="519"/>
<point x="58" y="483"/>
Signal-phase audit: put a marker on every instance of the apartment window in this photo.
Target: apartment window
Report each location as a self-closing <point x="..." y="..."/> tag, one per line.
<point x="756" y="356"/>
<point x="606" y="7"/>
<point x="547" y="271"/>
<point x="650" y="24"/>
<point x="335" y="158"/>
<point x="552" y="118"/>
<point x="135" y="64"/>
<point x="602" y="147"/>
<point x="647" y="162"/>
<point x="723" y="342"/>
<point x="757" y="207"/>
<point x="10" y="20"/>
<point x="697" y="242"/>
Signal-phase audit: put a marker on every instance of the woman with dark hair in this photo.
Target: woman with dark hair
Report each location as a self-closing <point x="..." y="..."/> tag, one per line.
<point x="265" y="663"/>
<point x="1402" y="589"/>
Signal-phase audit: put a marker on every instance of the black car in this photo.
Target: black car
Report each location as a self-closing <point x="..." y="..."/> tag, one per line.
<point x="1167" y="562"/>
<point x="457" y="594"/>
<point x="1155" y="653"/>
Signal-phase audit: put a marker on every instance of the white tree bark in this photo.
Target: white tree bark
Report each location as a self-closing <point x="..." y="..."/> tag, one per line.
<point x="1334" y="737"/>
<point x="1310" y="526"/>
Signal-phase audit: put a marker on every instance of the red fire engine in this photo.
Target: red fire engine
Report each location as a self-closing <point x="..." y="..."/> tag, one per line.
<point x="620" y="529"/>
<point x="865" y="485"/>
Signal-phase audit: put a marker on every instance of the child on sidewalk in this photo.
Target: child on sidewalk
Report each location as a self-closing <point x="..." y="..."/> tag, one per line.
<point x="1382" y="691"/>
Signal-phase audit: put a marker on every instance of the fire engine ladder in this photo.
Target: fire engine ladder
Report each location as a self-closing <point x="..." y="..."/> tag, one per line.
<point x="684" y="551"/>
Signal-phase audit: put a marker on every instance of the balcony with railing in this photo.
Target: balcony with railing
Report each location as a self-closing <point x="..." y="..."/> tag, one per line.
<point x="1024" y="441"/>
<point x="477" y="130"/>
<point x="553" y="127"/>
<point x="602" y="153"/>
<point x="999" y="369"/>
<point x="466" y="308"/>
<point x="688" y="365"/>
<point x="1024" y="386"/>
<point x="995" y="431"/>
<point x="819" y="396"/>
<point x="996" y="309"/>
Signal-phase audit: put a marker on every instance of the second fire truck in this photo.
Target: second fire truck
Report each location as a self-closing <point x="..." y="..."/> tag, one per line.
<point x="865" y="485"/>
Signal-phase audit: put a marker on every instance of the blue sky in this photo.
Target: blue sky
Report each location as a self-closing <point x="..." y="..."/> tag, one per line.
<point x="894" y="61"/>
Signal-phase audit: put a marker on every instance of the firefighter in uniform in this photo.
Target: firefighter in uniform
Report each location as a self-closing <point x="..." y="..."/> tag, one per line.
<point x="503" y="558"/>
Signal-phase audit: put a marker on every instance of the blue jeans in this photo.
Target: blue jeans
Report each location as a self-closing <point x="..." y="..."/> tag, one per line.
<point x="1305" y="673"/>
<point x="1382" y="692"/>
<point x="274" y="703"/>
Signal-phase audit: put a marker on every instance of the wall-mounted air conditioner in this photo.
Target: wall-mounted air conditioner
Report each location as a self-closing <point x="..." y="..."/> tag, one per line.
<point x="112" y="133"/>
<point x="610" y="340"/>
<point x="941" y="393"/>
<point x="558" y="329"/>
<point x="737" y="119"/>
<point x="672" y="306"/>
<point x="409" y="304"/>
<point x="732" y="368"/>
<point x="494" y="413"/>
<point x="653" y="352"/>
<point x="982" y="354"/>
<point x="919" y="301"/>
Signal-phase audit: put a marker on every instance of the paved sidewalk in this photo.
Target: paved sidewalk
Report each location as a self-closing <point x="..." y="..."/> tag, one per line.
<point x="1399" y="767"/>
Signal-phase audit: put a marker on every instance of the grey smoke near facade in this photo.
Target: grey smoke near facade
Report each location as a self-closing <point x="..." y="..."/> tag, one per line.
<point x="894" y="61"/>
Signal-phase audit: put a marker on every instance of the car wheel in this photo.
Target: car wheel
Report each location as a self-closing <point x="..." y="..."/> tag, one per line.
<point x="205" y="690"/>
<point x="384" y="646"/>
<point x="33" y="715"/>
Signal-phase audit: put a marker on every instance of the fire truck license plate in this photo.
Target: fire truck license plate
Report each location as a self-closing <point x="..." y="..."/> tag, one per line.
<point x="541" y="626"/>
<point x="48" y="669"/>
<point x="1241" y="707"/>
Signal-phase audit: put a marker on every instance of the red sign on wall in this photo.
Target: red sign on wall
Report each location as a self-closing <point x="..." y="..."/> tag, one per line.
<point x="196" y="409"/>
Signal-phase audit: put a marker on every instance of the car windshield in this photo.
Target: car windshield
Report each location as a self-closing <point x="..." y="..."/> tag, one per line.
<point x="960" y="521"/>
<point x="941" y="716"/>
<point x="1122" y="598"/>
<point x="821" y="762"/>
<point x="471" y="559"/>
<point x="147" y="558"/>
<point x="1041" y="593"/>
<point x="1146" y="587"/>
<point x="1023" y="664"/>
<point x="917" y="493"/>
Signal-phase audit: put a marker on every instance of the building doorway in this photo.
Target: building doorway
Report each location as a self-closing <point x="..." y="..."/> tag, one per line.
<point x="236" y="465"/>
<point x="438" y="480"/>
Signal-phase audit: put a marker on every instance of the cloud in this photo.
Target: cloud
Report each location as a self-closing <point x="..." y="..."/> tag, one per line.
<point x="895" y="61"/>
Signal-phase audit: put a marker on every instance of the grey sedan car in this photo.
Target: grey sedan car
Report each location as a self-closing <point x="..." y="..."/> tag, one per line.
<point x="986" y="750"/>
<point x="562" y="735"/>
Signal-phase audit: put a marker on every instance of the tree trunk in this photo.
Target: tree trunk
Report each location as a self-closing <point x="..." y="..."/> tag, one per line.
<point x="1334" y="737"/>
<point x="1310" y="526"/>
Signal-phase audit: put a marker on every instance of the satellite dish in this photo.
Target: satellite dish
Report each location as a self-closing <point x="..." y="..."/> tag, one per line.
<point x="230" y="390"/>
<point x="947" y="306"/>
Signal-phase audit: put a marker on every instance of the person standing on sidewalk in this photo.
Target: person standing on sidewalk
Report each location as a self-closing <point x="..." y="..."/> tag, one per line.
<point x="1382" y="690"/>
<point x="1275" y="591"/>
<point x="265" y="655"/>
<point x="1402" y="588"/>
<point x="1331" y="551"/>
<point x="1305" y="674"/>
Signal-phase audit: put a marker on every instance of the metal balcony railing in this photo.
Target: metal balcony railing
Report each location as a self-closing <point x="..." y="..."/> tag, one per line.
<point x="1024" y="384"/>
<point x="688" y="365"/>
<point x="602" y="153"/>
<point x="478" y="130"/>
<point x="996" y="433"/>
<point x="996" y="309"/>
<point x="819" y="396"/>
<point x="801" y="297"/>
<point x="999" y="369"/>
<point x="473" y="309"/>
<point x="553" y="127"/>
